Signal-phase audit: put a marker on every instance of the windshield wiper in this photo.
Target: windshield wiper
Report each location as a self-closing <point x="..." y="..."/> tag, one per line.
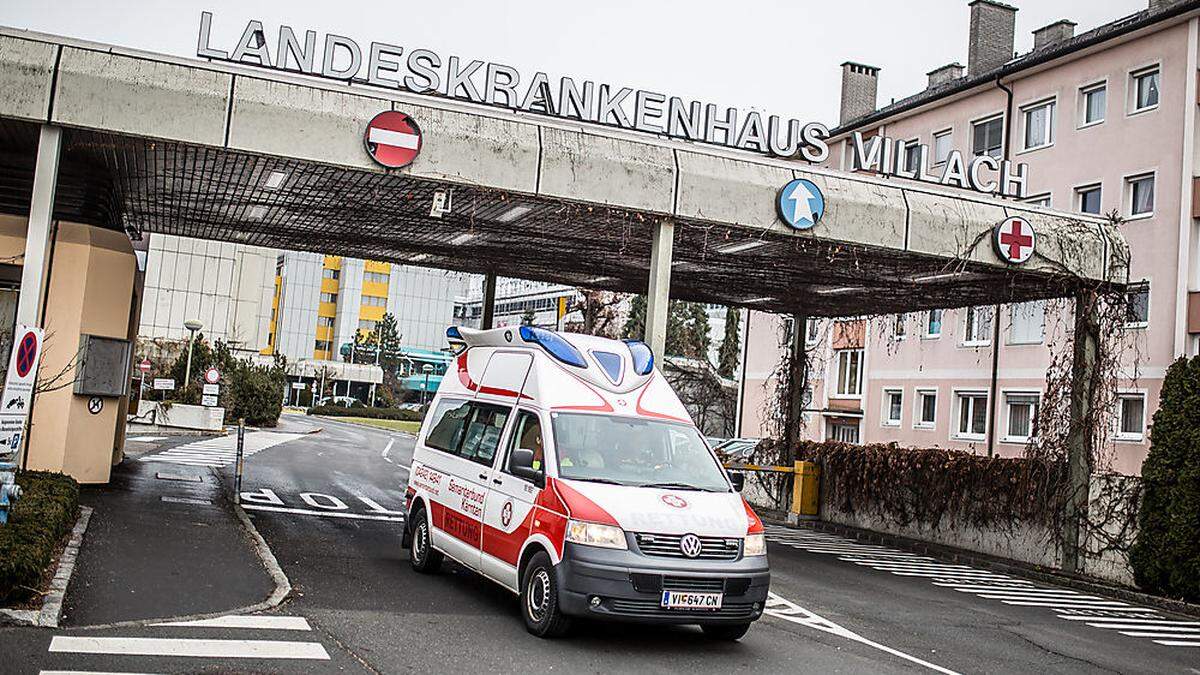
<point x="609" y="481"/>
<point x="679" y="486"/>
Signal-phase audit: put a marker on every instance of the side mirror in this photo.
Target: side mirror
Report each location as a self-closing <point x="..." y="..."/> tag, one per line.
<point x="738" y="480"/>
<point x="521" y="463"/>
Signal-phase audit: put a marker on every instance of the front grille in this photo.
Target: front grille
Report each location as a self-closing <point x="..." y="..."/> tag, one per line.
<point x="694" y="584"/>
<point x="652" y="608"/>
<point x="667" y="546"/>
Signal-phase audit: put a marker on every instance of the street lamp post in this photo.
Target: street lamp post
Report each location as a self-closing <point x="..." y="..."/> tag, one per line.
<point x="427" y="369"/>
<point x="192" y="325"/>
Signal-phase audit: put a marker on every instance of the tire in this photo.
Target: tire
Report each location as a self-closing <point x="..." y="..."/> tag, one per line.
<point x="539" y="599"/>
<point x="421" y="555"/>
<point x="725" y="632"/>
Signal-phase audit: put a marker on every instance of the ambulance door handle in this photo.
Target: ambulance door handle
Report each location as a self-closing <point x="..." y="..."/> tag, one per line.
<point x="497" y="481"/>
<point x="483" y="476"/>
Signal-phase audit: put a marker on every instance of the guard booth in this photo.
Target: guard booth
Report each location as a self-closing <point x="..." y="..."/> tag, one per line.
<point x="101" y="144"/>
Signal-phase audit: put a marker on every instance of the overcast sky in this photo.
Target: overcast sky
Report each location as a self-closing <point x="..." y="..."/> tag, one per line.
<point x="778" y="56"/>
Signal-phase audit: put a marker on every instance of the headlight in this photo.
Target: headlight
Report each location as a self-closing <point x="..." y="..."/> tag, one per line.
<point x="756" y="544"/>
<point x="595" y="534"/>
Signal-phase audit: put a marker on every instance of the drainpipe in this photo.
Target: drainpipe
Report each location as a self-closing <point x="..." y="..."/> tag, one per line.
<point x="992" y="388"/>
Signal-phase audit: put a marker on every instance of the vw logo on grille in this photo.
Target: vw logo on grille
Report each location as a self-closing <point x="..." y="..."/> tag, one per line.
<point x="690" y="545"/>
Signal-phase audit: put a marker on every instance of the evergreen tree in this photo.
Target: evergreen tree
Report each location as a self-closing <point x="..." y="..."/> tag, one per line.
<point x="635" y="323"/>
<point x="729" y="355"/>
<point x="387" y="338"/>
<point x="1166" y="556"/>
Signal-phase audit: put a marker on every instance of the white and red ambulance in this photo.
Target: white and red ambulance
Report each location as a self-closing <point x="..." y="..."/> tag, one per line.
<point x="564" y="468"/>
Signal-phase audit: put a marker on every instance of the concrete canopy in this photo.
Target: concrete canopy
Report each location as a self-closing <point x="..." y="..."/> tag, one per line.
<point x="161" y="144"/>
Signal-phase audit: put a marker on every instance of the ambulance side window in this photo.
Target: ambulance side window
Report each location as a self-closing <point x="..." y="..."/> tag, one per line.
<point x="526" y="435"/>
<point x="482" y="436"/>
<point x="450" y="420"/>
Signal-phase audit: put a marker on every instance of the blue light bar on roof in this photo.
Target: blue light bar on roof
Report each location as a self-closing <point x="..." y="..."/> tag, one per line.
<point x="453" y="335"/>
<point x="554" y="345"/>
<point x="643" y="358"/>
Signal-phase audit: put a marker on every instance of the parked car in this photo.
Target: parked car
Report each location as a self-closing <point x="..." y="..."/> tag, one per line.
<point x="344" y="401"/>
<point x="564" y="468"/>
<point x="736" y="450"/>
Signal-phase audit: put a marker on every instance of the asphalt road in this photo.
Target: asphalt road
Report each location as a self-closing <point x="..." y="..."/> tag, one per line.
<point x="326" y="503"/>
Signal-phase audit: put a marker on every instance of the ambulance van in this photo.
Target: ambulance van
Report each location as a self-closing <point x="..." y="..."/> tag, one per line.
<point x="564" y="468"/>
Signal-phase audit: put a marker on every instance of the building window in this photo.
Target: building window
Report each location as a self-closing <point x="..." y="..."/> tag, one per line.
<point x="1137" y="305"/>
<point x="972" y="415"/>
<point x="988" y="137"/>
<point x="978" y="326"/>
<point x="912" y="155"/>
<point x="1039" y="125"/>
<point x="1131" y="416"/>
<point x="1087" y="199"/>
<point x="329" y="297"/>
<point x="926" y="411"/>
<point x="1028" y="323"/>
<point x="330" y="273"/>
<point x="366" y="326"/>
<point x="933" y="323"/>
<point x="1039" y="200"/>
<point x="849" y="372"/>
<point x="899" y="326"/>
<point x="323" y="346"/>
<point x="1145" y="89"/>
<point x="1139" y="194"/>
<point x="813" y="332"/>
<point x="325" y="321"/>
<point x="373" y="301"/>
<point x="893" y="407"/>
<point x="942" y="145"/>
<point x="843" y="432"/>
<point x="1022" y="417"/>
<point x="1092" y="103"/>
<point x="375" y="277"/>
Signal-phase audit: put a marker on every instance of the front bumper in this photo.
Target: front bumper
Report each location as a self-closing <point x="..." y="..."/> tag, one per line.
<point x="630" y="584"/>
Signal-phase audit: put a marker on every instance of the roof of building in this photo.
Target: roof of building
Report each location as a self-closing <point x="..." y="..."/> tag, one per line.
<point x="1108" y="31"/>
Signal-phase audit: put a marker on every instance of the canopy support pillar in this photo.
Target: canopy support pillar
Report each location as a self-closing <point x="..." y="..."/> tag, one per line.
<point x="658" y="295"/>
<point x="489" y="300"/>
<point x="797" y="374"/>
<point x="1085" y="374"/>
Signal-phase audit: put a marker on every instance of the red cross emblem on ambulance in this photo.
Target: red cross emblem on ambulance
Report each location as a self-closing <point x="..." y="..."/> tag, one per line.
<point x="1015" y="240"/>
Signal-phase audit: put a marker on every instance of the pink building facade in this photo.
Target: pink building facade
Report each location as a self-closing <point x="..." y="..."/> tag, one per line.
<point x="1105" y="122"/>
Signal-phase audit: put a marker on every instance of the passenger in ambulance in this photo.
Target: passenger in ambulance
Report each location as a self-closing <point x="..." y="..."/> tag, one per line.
<point x="531" y="439"/>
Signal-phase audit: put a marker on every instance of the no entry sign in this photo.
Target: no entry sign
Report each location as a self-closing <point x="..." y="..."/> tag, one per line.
<point x="393" y="139"/>
<point x="1015" y="240"/>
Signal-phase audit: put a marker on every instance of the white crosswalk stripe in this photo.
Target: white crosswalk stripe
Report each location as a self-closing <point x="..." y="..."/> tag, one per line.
<point x="1095" y="611"/>
<point x="196" y="647"/>
<point x="220" y="451"/>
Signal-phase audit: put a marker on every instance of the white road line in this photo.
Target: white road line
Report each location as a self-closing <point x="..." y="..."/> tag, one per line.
<point x="1178" y="643"/>
<point x="326" y="514"/>
<point x="233" y="649"/>
<point x="1161" y="636"/>
<point x="1121" y="619"/>
<point x="1126" y="625"/>
<point x="146" y="439"/>
<point x="1035" y="596"/>
<point x="1018" y="591"/>
<point x="246" y="621"/>
<point x="388" y="449"/>
<point x="1076" y="604"/>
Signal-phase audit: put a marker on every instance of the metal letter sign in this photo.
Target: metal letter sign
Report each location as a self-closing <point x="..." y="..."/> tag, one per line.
<point x="800" y="204"/>
<point x="18" y="387"/>
<point x="424" y="72"/>
<point x="393" y="139"/>
<point x="1015" y="240"/>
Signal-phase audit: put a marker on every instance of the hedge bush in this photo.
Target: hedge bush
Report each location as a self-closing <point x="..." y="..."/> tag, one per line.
<point x="1166" y="555"/>
<point x="929" y="485"/>
<point x="39" y="520"/>
<point x="371" y="413"/>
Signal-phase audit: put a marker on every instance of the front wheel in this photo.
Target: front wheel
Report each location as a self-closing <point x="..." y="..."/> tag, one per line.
<point x="539" y="599"/>
<point x="726" y="632"/>
<point x="421" y="555"/>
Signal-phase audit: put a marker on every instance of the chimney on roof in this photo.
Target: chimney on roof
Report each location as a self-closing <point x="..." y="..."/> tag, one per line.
<point x="993" y="30"/>
<point x="947" y="73"/>
<point x="1057" y="32"/>
<point x="860" y="84"/>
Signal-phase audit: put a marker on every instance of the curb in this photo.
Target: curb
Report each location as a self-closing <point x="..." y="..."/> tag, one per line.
<point x="51" y="610"/>
<point x="1014" y="567"/>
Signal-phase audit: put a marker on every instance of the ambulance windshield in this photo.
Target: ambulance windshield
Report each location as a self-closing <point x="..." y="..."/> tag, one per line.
<point x="634" y="451"/>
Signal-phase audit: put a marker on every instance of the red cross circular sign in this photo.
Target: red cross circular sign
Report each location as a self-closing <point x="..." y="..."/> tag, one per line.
<point x="393" y="139"/>
<point x="1015" y="240"/>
